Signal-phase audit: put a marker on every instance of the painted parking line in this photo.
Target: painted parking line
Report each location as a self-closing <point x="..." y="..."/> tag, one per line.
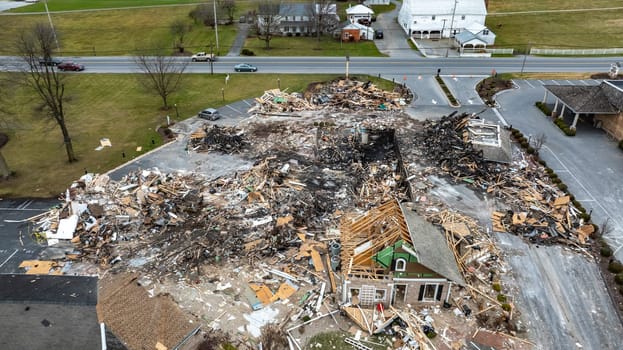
<point x="590" y="195"/>
<point x="9" y="258"/>
<point x="527" y="82"/>
<point x="569" y="82"/>
<point x="24" y="205"/>
<point x="233" y="109"/>
<point x="556" y="82"/>
<point x="584" y="82"/>
<point x="247" y="102"/>
<point x="540" y="81"/>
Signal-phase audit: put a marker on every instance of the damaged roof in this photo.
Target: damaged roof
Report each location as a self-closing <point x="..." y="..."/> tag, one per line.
<point x="430" y="244"/>
<point x="605" y="98"/>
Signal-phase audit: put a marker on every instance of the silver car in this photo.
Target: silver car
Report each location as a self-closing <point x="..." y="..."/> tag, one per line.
<point x="209" y="114"/>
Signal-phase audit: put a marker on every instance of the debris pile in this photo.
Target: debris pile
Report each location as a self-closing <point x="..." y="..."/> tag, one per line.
<point x="217" y="138"/>
<point x="533" y="207"/>
<point x="340" y="94"/>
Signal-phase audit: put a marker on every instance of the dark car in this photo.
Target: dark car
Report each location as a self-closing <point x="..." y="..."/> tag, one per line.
<point x="50" y="61"/>
<point x="378" y="34"/>
<point x="73" y="66"/>
<point x="209" y="114"/>
<point x="245" y="67"/>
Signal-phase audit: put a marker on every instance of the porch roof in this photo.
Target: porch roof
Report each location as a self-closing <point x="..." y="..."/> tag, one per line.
<point x="605" y="98"/>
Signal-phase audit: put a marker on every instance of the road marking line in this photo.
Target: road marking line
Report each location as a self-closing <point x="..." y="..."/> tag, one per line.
<point x="610" y="216"/>
<point x="541" y="81"/>
<point x="569" y="82"/>
<point x="584" y="82"/>
<point x="9" y="258"/>
<point x="25" y="205"/>
<point x="233" y="109"/>
<point x="495" y="110"/>
<point x="556" y="82"/>
<point x="527" y="82"/>
<point x="247" y="102"/>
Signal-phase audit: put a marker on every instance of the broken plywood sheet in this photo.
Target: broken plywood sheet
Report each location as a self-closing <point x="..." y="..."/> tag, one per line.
<point x="286" y="290"/>
<point x="318" y="265"/>
<point x="39" y="267"/>
<point x="262" y="292"/>
<point x="459" y="229"/>
<point x="560" y="201"/>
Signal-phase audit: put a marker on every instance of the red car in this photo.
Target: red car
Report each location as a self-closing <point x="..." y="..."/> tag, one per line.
<point x="68" y="65"/>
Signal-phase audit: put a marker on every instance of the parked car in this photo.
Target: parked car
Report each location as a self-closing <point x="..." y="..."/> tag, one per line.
<point x="378" y="34"/>
<point x="68" y="65"/>
<point x="209" y="114"/>
<point x="245" y="67"/>
<point x="50" y="61"/>
<point x="202" y="56"/>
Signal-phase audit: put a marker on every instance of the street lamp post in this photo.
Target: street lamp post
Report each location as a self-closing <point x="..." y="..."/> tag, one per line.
<point x="58" y="48"/>
<point x="279" y="83"/>
<point x="347" y="62"/>
<point x="177" y="112"/>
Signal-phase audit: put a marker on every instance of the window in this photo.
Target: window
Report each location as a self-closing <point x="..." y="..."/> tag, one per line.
<point x="401" y="264"/>
<point x="379" y="294"/>
<point x="485" y="32"/>
<point x="414" y="22"/>
<point x="463" y="17"/>
<point x="430" y="292"/>
<point x="433" y="18"/>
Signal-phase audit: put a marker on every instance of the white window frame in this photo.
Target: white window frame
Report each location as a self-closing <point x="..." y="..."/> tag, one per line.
<point x="426" y="286"/>
<point x="403" y="263"/>
<point x="384" y="294"/>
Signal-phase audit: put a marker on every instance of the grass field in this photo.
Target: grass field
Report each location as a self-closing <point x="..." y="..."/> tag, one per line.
<point x="114" y="106"/>
<point x="565" y="30"/>
<point x="310" y="46"/>
<point x="116" y="32"/>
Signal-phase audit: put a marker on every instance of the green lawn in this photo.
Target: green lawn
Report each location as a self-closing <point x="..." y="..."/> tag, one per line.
<point x="496" y="6"/>
<point x="114" y="106"/>
<point x="310" y="46"/>
<point x="116" y="32"/>
<point x="68" y="5"/>
<point x="565" y="30"/>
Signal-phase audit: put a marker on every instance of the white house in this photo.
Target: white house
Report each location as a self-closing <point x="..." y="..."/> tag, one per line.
<point x="357" y="12"/>
<point x="474" y="38"/>
<point x="425" y="19"/>
<point x="296" y="19"/>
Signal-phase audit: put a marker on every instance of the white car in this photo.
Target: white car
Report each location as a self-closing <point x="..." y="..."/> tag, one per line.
<point x="202" y="56"/>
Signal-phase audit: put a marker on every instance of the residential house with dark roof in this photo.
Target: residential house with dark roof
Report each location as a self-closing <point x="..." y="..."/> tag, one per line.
<point x="602" y="105"/>
<point x="302" y="19"/>
<point x="391" y="255"/>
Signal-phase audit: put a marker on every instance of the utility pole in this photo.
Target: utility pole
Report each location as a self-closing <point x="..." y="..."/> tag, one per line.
<point x="347" y="62"/>
<point x="452" y="24"/>
<point x="211" y="59"/>
<point x="525" y="56"/>
<point x="215" y="25"/>
<point x="58" y="48"/>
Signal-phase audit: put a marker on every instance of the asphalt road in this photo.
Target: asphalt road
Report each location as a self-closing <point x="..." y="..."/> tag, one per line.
<point x="16" y="244"/>
<point x="357" y="65"/>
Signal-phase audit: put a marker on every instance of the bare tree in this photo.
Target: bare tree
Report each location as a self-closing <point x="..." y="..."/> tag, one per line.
<point x="267" y="20"/>
<point x="323" y="17"/>
<point x="44" y="79"/>
<point x="203" y="13"/>
<point x="228" y="7"/>
<point x="162" y="74"/>
<point x="180" y="28"/>
<point x="538" y="142"/>
<point x="5" y="172"/>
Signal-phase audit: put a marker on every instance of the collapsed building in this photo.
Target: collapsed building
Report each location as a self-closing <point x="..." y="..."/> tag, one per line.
<point x="335" y="203"/>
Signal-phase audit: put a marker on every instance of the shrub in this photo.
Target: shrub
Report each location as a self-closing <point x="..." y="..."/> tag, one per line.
<point x="247" y="52"/>
<point x="501" y="298"/>
<point x="585" y="217"/>
<point x="615" y="267"/>
<point x="549" y="171"/>
<point x="530" y="150"/>
<point x="542" y="162"/>
<point x="605" y="251"/>
<point x="543" y="108"/>
<point x="506" y="307"/>
<point x="618" y="278"/>
<point x="621" y="144"/>
<point x="524" y="144"/>
<point x="556" y="180"/>
<point x="497" y="287"/>
<point x="562" y="186"/>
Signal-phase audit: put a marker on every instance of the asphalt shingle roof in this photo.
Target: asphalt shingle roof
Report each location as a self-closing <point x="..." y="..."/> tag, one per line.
<point x="605" y="98"/>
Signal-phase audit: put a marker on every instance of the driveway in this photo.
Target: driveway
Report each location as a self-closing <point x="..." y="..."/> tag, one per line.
<point x="394" y="42"/>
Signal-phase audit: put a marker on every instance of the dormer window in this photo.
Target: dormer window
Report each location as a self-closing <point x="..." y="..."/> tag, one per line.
<point x="463" y="17"/>
<point x="433" y="18"/>
<point x="401" y="264"/>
